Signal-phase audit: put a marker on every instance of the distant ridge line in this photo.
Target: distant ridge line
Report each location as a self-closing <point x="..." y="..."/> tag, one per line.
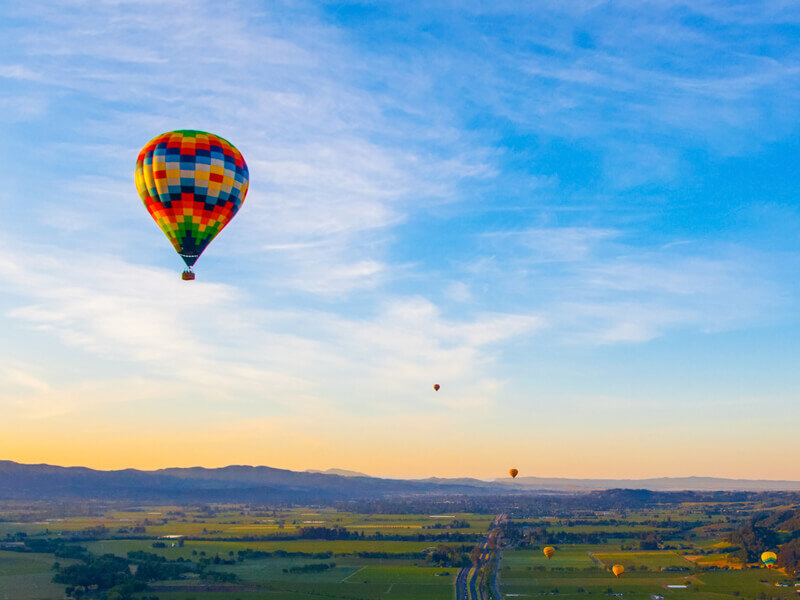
<point x="254" y="483"/>
<point x="661" y="484"/>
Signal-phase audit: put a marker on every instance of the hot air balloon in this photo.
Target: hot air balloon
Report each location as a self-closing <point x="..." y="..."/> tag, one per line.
<point x="436" y="386"/>
<point x="769" y="559"/>
<point x="513" y="473"/>
<point x="192" y="183"/>
<point x="617" y="570"/>
<point x="549" y="551"/>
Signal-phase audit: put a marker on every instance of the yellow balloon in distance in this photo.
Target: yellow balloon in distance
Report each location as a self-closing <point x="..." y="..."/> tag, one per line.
<point x="549" y="551"/>
<point x="617" y="570"/>
<point x="769" y="559"/>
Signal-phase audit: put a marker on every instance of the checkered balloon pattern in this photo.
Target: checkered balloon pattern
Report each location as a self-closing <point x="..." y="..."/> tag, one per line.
<point x="192" y="183"/>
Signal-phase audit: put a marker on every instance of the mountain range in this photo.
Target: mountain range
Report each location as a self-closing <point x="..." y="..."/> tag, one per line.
<point x="252" y="484"/>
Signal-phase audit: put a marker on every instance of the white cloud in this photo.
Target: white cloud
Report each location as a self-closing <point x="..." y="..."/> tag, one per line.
<point x="21" y="377"/>
<point x="458" y="291"/>
<point x="212" y="339"/>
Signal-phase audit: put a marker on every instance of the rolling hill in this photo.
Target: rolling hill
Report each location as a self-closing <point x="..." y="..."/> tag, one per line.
<point x="241" y="483"/>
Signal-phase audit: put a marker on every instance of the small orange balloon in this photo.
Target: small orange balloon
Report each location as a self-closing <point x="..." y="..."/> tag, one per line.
<point x="617" y="570"/>
<point x="549" y="551"/>
<point x="513" y="473"/>
<point x="436" y="386"/>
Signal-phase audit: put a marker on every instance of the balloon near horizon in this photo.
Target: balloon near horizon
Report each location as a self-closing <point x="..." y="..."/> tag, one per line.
<point x="513" y="473"/>
<point x="192" y="184"/>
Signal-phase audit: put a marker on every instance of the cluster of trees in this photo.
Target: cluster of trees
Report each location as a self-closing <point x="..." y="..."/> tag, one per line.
<point x="789" y="556"/>
<point x="98" y="532"/>
<point x="58" y="547"/>
<point x="258" y="554"/>
<point x="341" y="533"/>
<point x="752" y="540"/>
<point x="135" y="530"/>
<point x="523" y="534"/>
<point x="666" y="523"/>
<point x="120" y="578"/>
<point x="650" y="542"/>
<point x="220" y="576"/>
<point x="445" y="555"/>
<point x="387" y="555"/>
<point x="327" y="533"/>
<point x="454" y="524"/>
<point x="310" y="568"/>
<point x="769" y="530"/>
<point x="783" y="520"/>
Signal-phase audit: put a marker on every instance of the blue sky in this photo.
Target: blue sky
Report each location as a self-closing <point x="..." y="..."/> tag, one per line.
<point x="580" y="218"/>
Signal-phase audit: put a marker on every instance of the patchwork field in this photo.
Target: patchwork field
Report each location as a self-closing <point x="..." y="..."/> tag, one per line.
<point x="238" y="552"/>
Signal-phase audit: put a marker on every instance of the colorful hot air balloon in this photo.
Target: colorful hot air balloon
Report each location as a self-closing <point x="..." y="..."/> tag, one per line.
<point x="192" y="183"/>
<point x="513" y="473"/>
<point x="617" y="570"/>
<point x="549" y="551"/>
<point x="769" y="559"/>
<point x="436" y="386"/>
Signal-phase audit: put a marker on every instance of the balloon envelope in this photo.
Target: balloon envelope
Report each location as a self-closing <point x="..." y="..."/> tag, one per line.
<point x="549" y="551"/>
<point x="618" y="570"/>
<point x="436" y="386"/>
<point x="769" y="559"/>
<point x="192" y="183"/>
<point x="513" y="473"/>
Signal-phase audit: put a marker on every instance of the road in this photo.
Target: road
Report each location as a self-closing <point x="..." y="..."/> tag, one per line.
<point x="467" y="584"/>
<point x="461" y="584"/>
<point x="468" y="581"/>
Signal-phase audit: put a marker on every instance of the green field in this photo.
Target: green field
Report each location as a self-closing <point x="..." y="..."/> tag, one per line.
<point x="653" y="560"/>
<point x="565" y="556"/>
<point x="27" y="576"/>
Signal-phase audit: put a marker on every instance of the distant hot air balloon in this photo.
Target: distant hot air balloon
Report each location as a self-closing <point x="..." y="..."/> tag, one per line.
<point x="436" y="386"/>
<point x="549" y="551"/>
<point x="769" y="559"/>
<point x="617" y="570"/>
<point x="192" y="183"/>
<point x="513" y="473"/>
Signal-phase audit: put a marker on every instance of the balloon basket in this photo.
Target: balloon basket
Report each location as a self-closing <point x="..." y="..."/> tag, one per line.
<point x="187" y="276"/>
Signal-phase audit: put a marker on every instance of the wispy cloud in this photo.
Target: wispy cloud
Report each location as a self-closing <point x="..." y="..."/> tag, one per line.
<point x="593" y="285"/>
<point x="205" y="340"/>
